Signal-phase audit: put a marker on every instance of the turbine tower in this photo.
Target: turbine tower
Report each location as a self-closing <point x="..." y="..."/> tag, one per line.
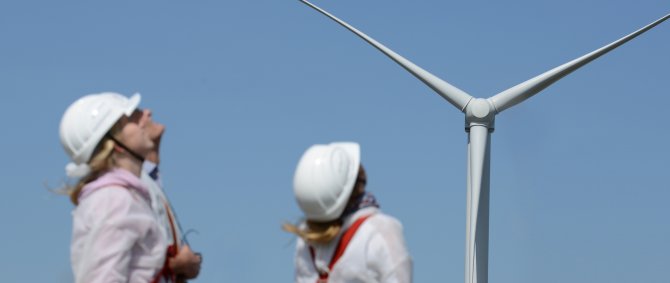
<point x="479" y="124"/>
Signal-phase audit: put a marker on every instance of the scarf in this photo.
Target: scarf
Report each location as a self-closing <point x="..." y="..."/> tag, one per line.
<point x="366" y="199"/>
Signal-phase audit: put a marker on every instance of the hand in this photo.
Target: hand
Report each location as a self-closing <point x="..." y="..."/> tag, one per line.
<point x="186" y="264"/>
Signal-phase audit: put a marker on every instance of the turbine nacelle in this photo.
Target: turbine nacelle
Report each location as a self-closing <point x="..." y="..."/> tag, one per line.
<point x="480" y="112"/>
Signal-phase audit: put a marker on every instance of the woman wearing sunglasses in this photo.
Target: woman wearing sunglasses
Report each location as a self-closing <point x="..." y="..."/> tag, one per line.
<point x="116" y="236"/>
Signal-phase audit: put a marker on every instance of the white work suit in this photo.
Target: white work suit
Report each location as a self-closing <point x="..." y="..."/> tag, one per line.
<point x="115" y="235"/>
<point x="376" y="253"/>
<point x="160" y="204"/>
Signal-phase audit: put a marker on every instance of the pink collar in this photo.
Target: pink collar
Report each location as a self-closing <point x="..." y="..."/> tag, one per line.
<point x="116" y="177"/>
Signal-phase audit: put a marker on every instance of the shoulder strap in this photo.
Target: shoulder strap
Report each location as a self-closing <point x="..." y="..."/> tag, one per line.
<point x="166" y="272"/>
<point x="346" y="238"/>
<point x="341" y="246"/>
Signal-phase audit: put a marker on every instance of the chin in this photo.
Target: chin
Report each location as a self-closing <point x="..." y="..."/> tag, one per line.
<point x="159" y="131"/>
<point x="157" y="134"/>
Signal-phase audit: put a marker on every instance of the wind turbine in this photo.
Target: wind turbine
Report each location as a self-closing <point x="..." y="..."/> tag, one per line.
<point x="479" y="124"/>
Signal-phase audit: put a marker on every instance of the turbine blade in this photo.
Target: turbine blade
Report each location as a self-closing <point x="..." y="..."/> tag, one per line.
<point x="525" y="90"/>
<point x="451" y="93"/>
<point x="477" y="227"/>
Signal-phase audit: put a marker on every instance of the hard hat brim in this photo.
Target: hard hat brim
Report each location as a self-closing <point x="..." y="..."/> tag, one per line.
<point x="133" y="103"/>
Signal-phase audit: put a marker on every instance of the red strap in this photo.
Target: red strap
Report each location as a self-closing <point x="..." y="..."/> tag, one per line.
<point x="166" y="272"/>
<point x="341" y="247"/>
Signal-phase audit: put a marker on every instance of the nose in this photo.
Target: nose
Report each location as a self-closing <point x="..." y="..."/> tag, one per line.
<point x="146" y="115"/>
<point x="145" y="118"/>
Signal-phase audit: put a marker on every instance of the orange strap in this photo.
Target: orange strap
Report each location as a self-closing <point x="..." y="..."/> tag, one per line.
<point x="166" y="272"/>
<point x="341" y="247"/>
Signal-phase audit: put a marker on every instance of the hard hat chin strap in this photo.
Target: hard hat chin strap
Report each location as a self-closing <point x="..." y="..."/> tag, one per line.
<point x="130" y="151"/>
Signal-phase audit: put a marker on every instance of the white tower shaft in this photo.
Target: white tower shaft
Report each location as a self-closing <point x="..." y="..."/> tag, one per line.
<point x="477" y="218"/>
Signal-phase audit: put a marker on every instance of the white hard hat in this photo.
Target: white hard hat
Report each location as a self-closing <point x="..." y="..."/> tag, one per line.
<point x="325" y="178"/>
<point x="85" y="123"/>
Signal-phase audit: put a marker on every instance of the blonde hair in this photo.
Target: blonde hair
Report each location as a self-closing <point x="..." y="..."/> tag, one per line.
<point x="324" y="232"/>
<point x="101" y="162"/>
<point x="316" y="232"/>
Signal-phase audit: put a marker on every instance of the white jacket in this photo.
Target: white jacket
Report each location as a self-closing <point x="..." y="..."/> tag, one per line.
<point x="376" y="253"/>
<point x="160" y="203"/>
<point x="115" y="235"/>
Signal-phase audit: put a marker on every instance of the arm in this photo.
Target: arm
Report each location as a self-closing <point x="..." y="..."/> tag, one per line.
<point x="387" y="253"/>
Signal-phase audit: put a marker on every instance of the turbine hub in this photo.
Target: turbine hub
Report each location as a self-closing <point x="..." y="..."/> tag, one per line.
<point x="479" y="112"/>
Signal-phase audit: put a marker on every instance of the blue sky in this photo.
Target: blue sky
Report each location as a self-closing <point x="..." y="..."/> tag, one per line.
<point x="579" y="172"/>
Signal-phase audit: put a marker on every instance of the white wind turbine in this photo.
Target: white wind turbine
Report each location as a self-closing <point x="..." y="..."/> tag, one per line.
<point x="479" y="123"/>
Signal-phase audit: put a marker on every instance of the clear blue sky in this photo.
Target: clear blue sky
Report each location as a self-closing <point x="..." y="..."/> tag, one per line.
<point x="579" y="186"/>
